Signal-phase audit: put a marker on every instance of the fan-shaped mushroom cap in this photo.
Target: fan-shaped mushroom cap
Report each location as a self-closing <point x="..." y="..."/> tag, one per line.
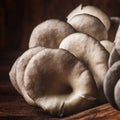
<point x="92" y="10"/>
<point x="50" y="33"/>
<point x="74" y="12"/>
<point x="12" y="75"/>
<point x="108" y="45"/>
<point x="89" y="24"/>
<point x="59" y="83"/>
<point x="111" y="79"/>
<point x="91" y="52"/>
<point x="20" y="69"/>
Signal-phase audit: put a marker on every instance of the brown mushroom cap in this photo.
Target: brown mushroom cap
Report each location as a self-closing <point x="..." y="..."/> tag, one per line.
<point x="108" y="45"/>
<point x="92" y="10"/>
<point x="20" y="69"/>
<point x="89" y="24"/>
<point x="110" y="81"/>
<point x="50" y="33"/>
<point x="12" y="75"/>
<point x="56" y="76"/>
<point x="91" y="52"/>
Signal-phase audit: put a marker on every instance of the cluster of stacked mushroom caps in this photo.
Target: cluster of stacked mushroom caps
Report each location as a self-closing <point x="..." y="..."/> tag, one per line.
<point x="65" y="70"/>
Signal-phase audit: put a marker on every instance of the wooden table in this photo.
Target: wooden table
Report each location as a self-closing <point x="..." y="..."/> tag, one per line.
<point x="13" y="106"/>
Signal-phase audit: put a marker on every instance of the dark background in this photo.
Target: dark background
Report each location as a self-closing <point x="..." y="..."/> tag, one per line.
<point x="19" y="17"/>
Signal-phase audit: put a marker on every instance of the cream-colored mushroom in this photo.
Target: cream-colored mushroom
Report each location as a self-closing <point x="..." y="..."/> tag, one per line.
<point x="90" y="25"/>
<point x="108" y="45"/>
<point x="59" y="83"/>
<point x="12" y="75"/>
<point x="20" y="69"/>
<point x="91" y="52"/>
<point x="50" y="33"/>
<point x="92" y="10"/>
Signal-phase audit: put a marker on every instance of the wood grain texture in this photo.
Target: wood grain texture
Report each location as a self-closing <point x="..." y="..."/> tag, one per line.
<point x="102" y="112"/>
<point x="13" y="106"/>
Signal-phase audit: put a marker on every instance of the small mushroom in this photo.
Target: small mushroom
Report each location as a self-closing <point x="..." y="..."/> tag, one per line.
<point x="50" y="33"/>
<point x="111" y="85"/>
<point x="59" y="83"/>
<point x="108" y="45"/>
<point x="89" y="24"/>
<point x="91" y="10"/>
<point x="92" y="53"/>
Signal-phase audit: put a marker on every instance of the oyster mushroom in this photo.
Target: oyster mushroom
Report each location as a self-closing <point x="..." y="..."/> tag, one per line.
<point x="92" y="53"/>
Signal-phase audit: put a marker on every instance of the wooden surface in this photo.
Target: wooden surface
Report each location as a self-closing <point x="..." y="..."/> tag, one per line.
<point x="13" y="106"/>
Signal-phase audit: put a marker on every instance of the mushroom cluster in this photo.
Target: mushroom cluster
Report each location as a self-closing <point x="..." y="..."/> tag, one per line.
<point x="112" y="77"/>
<point x="63" y="70"/>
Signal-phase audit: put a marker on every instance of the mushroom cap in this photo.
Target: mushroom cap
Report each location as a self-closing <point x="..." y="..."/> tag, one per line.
<point x="115" y="53"/>
<point x="20" y="69"/>
<point x="115" y="19"/>
<point x="12" y="75"/>
<point x="108" y="45"/>
<point x="50" y="33"/>
<point x="92" y="10"/>
<point x="114" y="57"/>
<point x="117" y="94"/>
<point x="110" y="81"/>
<point x="92" y="53"/>
<point x="56" y="76"/>
<point x="74" y="12"/>
<point x="90" y="25"/>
